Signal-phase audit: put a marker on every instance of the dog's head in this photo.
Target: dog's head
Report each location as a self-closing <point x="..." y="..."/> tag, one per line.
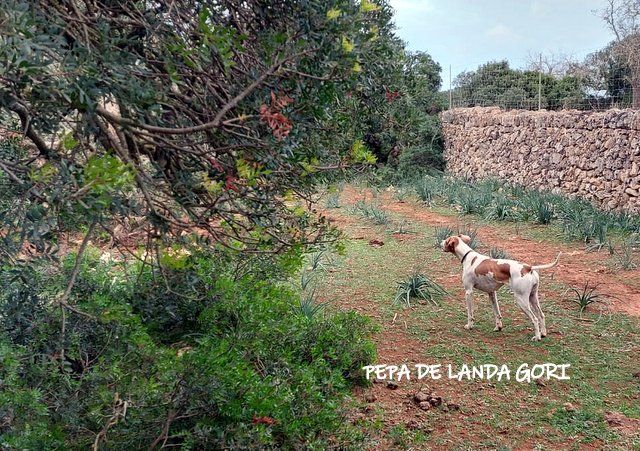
<point x="451" y="243"/>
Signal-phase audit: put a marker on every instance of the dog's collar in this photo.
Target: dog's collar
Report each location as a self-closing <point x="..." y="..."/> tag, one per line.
<point x="465" y="255"/>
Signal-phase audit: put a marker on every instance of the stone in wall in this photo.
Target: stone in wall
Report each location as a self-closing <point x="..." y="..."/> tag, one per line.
<point x="593" y="155"/>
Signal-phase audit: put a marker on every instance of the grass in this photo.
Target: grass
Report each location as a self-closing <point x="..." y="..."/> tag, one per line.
<point x="505" y="415"/>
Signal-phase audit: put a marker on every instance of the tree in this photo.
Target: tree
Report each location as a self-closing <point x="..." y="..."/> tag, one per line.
<point x="201" y="115"/>
<point x="623" y="19"/>
<point x="497" y="84"/>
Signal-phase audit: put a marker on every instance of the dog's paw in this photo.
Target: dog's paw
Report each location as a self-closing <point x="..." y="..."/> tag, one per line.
<point x="497" y="329"/>
<point x="536" y="338"/>
<point x="468" y="326"/>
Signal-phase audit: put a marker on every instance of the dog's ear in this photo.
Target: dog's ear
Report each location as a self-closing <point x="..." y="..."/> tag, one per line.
<point x="450" y="244"/>
<point x="465" y="238"/>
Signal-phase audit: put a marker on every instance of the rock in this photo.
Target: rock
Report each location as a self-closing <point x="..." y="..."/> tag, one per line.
<point x="392" y="385"/>
<point x="614" y="418"/>
<point x="420" y="397"/>
<point x="413" y="425"/>
<point x="569" y="407"/>
<point x="370" y="397"/>
<point x="435" y="400"/>
<point x="453" y="406"/>
<point x="424" y="405"/>
<point x="632" y="192"/>
<point x="637" y="375"/>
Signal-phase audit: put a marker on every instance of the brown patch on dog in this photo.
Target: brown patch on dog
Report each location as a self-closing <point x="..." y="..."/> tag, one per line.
<point x="474" y="259"/>
<point x="526" y="269"/>
<point x="450" y="244"/>
<point x="501" y="272"/>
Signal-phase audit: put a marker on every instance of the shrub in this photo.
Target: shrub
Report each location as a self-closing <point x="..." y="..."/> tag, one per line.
<point x="226" y="358"/>
<point x="419" y="160"/>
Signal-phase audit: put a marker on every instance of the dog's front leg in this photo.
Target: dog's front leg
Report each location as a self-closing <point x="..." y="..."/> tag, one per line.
<point x="469" y="300"/>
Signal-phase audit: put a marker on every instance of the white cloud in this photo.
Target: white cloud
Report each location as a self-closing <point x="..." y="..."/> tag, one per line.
<point x="502" y="32"/>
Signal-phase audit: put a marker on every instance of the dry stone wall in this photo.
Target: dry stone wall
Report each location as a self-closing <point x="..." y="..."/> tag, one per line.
<point x="594" y="155"/>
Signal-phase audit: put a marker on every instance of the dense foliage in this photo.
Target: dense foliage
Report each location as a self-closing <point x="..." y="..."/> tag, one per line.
<point x="496" y="83"/>
<point x="157" y="161"/>
<point x="220" y="360"/>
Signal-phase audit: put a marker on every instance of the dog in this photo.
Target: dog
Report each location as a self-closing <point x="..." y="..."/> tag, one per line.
<point x="487" y="274"/>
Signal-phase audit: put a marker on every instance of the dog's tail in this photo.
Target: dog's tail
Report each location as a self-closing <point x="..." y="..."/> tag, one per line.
<point x="550" y="265"/>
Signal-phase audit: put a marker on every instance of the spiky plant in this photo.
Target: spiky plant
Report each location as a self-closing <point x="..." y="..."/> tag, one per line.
<point x="544" y="212"/>
<point x="472" y="233"/>
<point x="427" y="189"/>
<point x="587" y="296"/>
<point x="418" y="286"/>
<point x="501" y="209"/>
<point x="309" y="305"/>
<point x="442" y="233"/>
<point x="625" y="257"/>
<point x="498" y="253"/>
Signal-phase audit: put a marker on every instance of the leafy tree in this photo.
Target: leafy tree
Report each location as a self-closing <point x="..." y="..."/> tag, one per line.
<point x="189" y="114"/>
<point x="496" y="83"/>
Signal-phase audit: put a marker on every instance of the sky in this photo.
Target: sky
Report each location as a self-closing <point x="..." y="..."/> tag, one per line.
<point x="465" y="34"/>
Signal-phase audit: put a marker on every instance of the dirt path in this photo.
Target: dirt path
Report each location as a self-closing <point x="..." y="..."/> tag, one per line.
<point x="576" y="266"/>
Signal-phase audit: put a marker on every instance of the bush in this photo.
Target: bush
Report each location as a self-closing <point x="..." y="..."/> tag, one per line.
<point x="224" y="359"/>
<point x="416" y="161"/>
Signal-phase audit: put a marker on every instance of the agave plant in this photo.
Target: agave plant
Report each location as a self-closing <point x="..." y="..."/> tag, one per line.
<point x="309" y="306"/>
<point x="625" y="256"/>
<point x="587" y="296"/>
<point x="498" y="253"/>
<point x="472" y="233"/>
<point x="442" y="233"/>
<point x="421" y="287"/>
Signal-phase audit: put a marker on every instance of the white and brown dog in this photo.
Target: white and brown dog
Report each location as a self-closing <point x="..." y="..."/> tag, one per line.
<point x="488" y="275"/>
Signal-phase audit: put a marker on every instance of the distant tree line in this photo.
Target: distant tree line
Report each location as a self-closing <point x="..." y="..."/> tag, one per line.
<point x="607" y="78"/>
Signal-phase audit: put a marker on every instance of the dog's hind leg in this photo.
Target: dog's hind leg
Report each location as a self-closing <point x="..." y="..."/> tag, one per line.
<point x="535" y="306"/>
<point x="493" y="296"/>
<point x="522" y="299"/>
<point x="469" y="300"/>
